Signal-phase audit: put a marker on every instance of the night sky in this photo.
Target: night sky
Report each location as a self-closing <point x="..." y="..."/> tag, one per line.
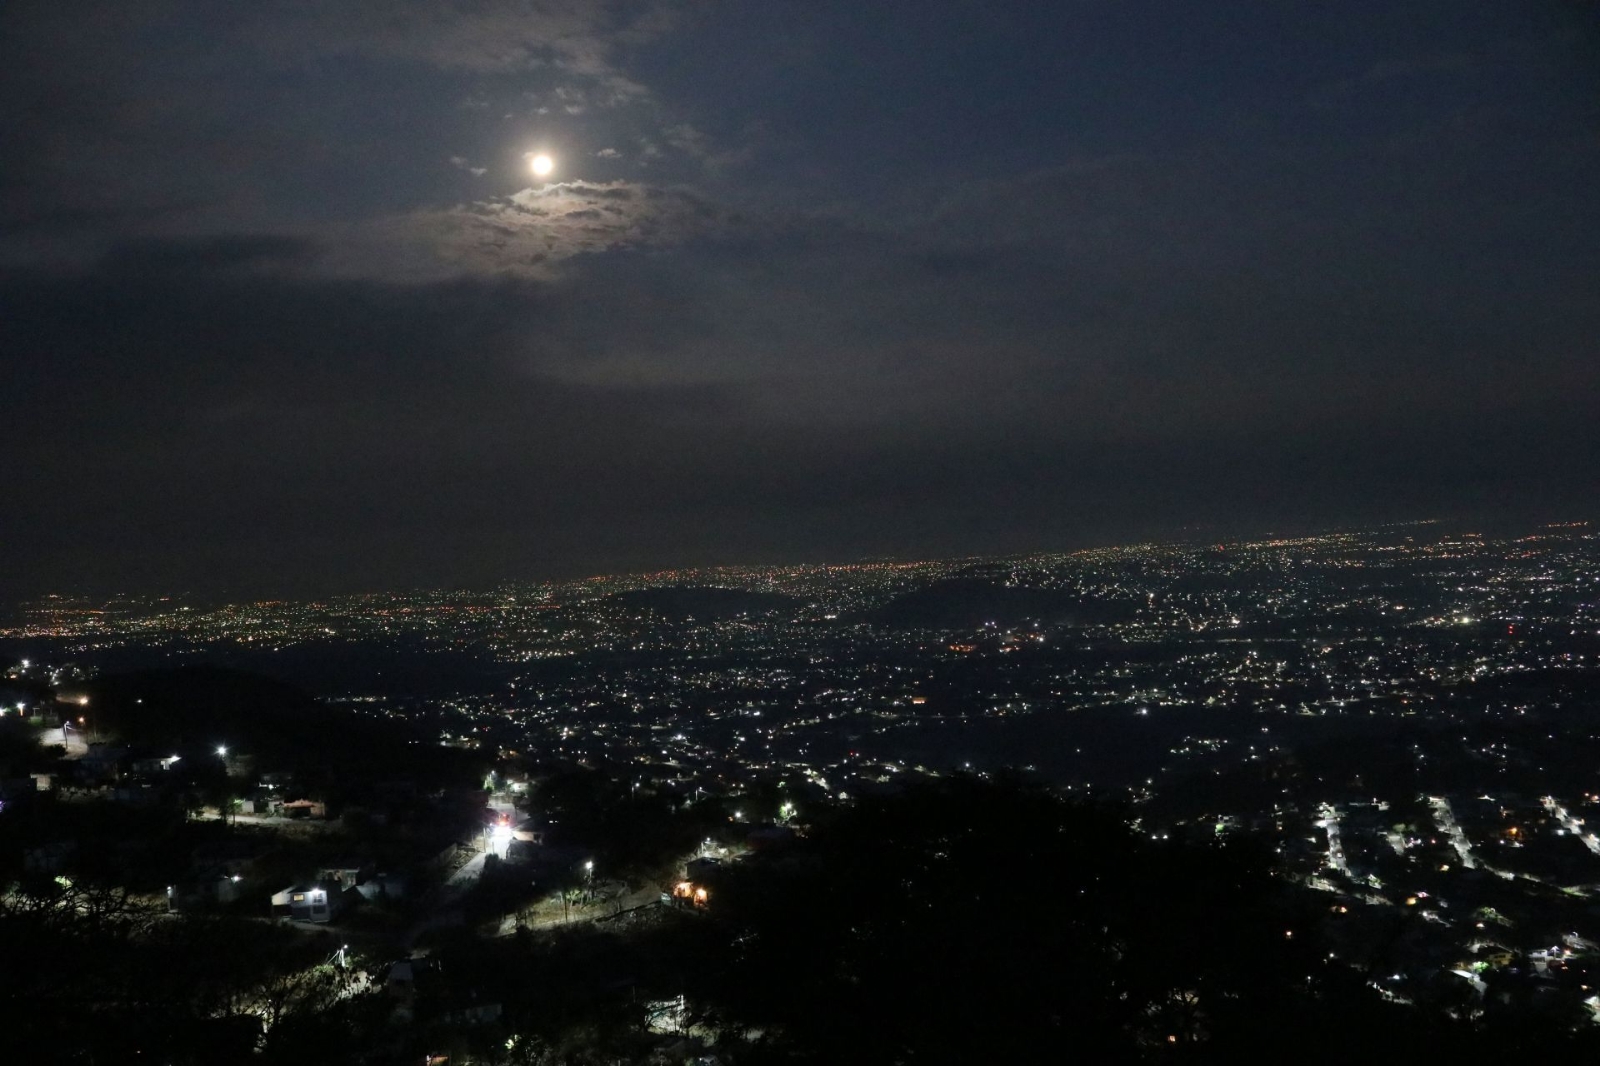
<point x="283" y="308"/>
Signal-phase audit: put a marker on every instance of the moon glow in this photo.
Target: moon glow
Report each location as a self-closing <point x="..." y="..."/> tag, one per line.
<point x="542" y="165"/>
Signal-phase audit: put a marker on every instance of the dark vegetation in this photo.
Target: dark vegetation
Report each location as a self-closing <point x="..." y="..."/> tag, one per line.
<point x="973" y="923"/>
<point x="276" y="722"/>
<point x="192" y="710"/>
<point x="633" y="835"/>
<point x="95" y="976"/>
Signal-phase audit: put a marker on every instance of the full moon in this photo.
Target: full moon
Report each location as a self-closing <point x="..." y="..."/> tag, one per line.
<point x="543" y="164"/>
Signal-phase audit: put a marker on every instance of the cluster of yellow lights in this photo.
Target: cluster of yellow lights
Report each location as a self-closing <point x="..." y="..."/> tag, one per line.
<point x="689" y="890"/>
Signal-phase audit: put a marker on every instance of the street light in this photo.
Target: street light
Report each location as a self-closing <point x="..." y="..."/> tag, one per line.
<point x="500" y="837"/>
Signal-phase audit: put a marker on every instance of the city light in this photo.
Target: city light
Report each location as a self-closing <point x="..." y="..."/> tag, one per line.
<point x="695" y="729"/>
<point x="500" y="836"/>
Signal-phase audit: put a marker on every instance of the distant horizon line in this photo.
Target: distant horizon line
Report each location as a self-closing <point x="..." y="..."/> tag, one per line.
<point x="1235" y="539"/>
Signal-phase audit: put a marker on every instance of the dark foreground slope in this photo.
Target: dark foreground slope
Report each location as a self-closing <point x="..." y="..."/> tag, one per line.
<point x="960" y="922"/>
<point x="970" y="923"/>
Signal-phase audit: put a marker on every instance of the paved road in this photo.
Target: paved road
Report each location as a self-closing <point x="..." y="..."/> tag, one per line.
<point x="457" y="883"/>
<point x="69" y="737"/>
<point x="1330" y="822"/>
<point x="1572" y="824"/>
<point x="446" y="909"/>
<point x="1445" y="818"/>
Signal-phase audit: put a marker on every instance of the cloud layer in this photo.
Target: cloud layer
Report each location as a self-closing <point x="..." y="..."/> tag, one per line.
<point x="530" y="232"/>
<point x="815" y="280"/>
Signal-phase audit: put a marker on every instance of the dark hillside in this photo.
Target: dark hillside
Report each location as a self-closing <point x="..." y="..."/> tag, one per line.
<point x="702" y="603"/>
<point x="968" y="604"/>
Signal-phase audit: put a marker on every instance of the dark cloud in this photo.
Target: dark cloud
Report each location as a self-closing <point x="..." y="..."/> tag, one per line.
<point x="654" y="400"/>
<point x="208" y="254"/>
<point x="579" y="38"/>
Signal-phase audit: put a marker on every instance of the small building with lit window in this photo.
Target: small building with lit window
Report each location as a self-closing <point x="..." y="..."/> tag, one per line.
<point x="309" y="903"/>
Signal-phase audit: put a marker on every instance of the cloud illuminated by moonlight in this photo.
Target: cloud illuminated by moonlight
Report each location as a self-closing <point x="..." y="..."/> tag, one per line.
<point x="528" y="233"/>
